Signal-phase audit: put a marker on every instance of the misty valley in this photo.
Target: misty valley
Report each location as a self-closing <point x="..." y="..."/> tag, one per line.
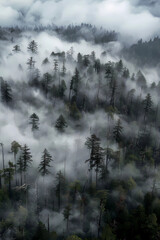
<point x="79" y="134"/>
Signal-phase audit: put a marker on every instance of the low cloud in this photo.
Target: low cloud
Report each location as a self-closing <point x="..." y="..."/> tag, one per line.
<point x="130" y="19"/>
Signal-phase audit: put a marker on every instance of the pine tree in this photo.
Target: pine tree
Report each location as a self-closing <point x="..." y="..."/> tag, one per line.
<point x="147" y="105"/>
<point x="16" y="49"/>
<point x="59" y="187"/>
<point x="20" y="168"/>
<point x="79" y="58"/>
<point x="61" y="123"/>
<point x="74" y="111"/>
<point x="92" y="144"/>
<point x="30" y="63"/>
<point x="8" y="175"/>
<point x="6" y="92"/>
<point x="71" y="88"/>
<point x="119" y="66"/>
<point x="102" y="195"/>
<point x="141" y="80"/>
<point x="113" y="88"/>
<point x="98" y="161"/>
<point x="63" y="71"/>
<point x="117" y="131"/>
<point x="67" y="214"/>
<point x="86" y="61"/>
<point x="46" y="83"/>
<point x="108" y="70"/>
<point x="62" y="88"/>
<point x="45" y="163"/>
<point x="97" y="66"/>
<point x="15" y="147"/>
<point x="76" y="82"/>
<point x="33" y="47"/>
<point x="55" y="65"/>
<point x="126" y="73"/>
<point x="27" y="159"/>
<point x="34" y="121"/>
<point x="45" y="61"/>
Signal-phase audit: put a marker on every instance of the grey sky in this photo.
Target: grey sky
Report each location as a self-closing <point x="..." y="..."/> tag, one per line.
<point x="136" y="18"/>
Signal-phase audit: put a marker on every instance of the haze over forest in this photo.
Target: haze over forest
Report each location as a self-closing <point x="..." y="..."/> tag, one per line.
<point x="79" y="120"/>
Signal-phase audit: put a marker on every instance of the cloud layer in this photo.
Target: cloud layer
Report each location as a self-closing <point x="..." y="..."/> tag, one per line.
<point x="138" y="19"/>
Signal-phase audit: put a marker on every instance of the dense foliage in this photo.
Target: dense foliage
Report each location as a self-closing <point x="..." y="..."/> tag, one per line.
<point x="106" y="184"/>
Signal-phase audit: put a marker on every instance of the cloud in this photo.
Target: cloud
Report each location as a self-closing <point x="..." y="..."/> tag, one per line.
<point x="130" y="19"/>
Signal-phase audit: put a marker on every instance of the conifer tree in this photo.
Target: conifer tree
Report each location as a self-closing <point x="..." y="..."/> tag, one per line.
<point x="46" y="83"/>
<point x="55" y="66"/>
<point x="147" y="105"/>
<point x="113" y="88"/>
<point x="117" y="131"/>
<point x="59" y="187"/>
<point x="67" y="214"/>
<point x="45" y="163"/>
<point x="31" y="63"/>
<point x="92" y="144"/>
<point x="16" y="49"/>
<point x="15" y="147"/>
<point x="61" y="123"/>
<point x="8" y="175"/>
<point x="108" y="70"/>
<point x="119" y="66"/>
<point x="79" y="58"/>
<point x="98" y="160"/>
<point x="63" y="71"/>
<point x="62" y="89"/>
<point x="71" y="88"/>
<point x="6" y="92"/>
<point x="97" y="66"/>
<point x="20" y="168"/>
<point x="33" y="47"/>
<point x="34" y="121"/>
<point x="76" y="82"/>
<point x="74" y="111"/>
<point x="45" y="61"/>
<point x="27" y="159"/>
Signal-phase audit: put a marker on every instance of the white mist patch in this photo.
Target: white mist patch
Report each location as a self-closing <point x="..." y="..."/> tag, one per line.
<point x="121" y="15"/>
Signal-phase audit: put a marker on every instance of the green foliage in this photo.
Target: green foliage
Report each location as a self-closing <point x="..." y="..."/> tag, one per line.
<point x="74" y="111"/>
<point x="108" y="234"/>
<point x="45" y="163"/>
<point x="117" y="131"/>
<point x="73" y="237"/>
<point x="61" y="123"/>
<point x="15" y="147"/>
<point x="42" y="233"/>
<point x="26" y="157"/>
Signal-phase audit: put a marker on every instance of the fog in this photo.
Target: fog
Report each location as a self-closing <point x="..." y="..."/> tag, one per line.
<point x="132" y="19"/>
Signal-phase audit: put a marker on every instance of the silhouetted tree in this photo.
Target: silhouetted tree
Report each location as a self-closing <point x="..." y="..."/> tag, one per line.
<point x="45" y="163"/>
<point x="34" y="121"/>
<point x="67" y="214"/>
<point x="61" y="123"/>
<point x="33" y="47"/>
<point x="6" y="92"/>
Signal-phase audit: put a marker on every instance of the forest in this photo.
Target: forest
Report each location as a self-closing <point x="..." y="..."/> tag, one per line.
<point x="79" y="135"/>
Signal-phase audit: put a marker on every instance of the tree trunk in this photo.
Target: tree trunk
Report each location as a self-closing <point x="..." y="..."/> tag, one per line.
<point x="3" y="156"/>
<point x="96" y="177"/>
<point x="0" y="181"/>
<point x="15" y="161"/>
<point x="9" y="185"/>
<point x="59" y="197"/>
<point x="48" y="224"/>
<point x="99" y="221"/>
